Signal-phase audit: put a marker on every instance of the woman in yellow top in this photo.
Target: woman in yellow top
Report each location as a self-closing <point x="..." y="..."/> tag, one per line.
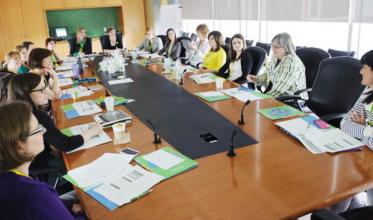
<point x="216" y="57"/>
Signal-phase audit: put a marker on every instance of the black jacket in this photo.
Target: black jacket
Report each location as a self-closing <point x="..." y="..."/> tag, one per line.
<point x="175" y="50"/>
<point x="246" y="66"/>
<point x="74" y="46"/>
<point x="106" y="42"/>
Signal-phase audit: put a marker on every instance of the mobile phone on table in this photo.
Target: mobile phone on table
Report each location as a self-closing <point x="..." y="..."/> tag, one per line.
<point x="130" y="151"/>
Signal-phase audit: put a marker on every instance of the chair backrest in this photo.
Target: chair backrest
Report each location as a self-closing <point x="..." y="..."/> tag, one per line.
<point x="311" y="58"/>
<point x="193" y="37"/>
<point x="340" y="53"/>
<point x="184" y="42"/>
<point x="102" y="41"/>
<point x="265" y="46"/>
<point x="227" y="40"/>
<point x="163" y="38"/>
<point x="185" y="34"/>
<point x="337" y="86"/>
<point x="249" y="43"/>
<point x="259" y="56"/>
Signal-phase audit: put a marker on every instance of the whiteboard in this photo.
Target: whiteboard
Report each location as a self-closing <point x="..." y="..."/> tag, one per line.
<point x="170" y="17"/>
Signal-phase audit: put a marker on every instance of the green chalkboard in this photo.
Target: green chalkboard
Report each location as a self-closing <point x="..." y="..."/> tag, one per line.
<point x="94" y="20"/>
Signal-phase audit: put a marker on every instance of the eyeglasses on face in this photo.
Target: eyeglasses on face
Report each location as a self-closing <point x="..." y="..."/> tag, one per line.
<point x="42" y="90"/>
<point x="39" y="129"/>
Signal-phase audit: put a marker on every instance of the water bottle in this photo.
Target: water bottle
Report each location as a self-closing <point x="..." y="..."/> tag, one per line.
<point x="76" y="71"/>
<point x="80" y="64"/>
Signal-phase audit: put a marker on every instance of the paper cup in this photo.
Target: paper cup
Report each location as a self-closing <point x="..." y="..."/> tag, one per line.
<point x="219" y="82"/>
<point x="119" y="130"/>
<point x="109" y="103"/>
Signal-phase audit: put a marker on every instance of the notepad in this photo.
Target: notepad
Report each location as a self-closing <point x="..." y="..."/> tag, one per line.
<point x="212" y="96"/>
<point x="78" y="109"/>
<point x="120" y="81"/>
<point x="244" y="94"/>
<point x="102" y="138"/>
<point x="65" y="82"/>
<point x="318" y="140"/>
<point x="166" y="162"/>
<point x="76" y="92"/>
<point x="204" y="78"/>
<point x="280" y="112"/>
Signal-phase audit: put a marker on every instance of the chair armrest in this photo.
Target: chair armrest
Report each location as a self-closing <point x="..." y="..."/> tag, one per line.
<point x="287" y="98"/>
<point x="302" y="91"/>
<point x="325" y="214"/>
<point x="332" y="116"/>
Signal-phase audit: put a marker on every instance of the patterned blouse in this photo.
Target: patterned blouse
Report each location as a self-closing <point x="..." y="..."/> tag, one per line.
<point x="364" y="132"/>
<point x="287" y="77"/>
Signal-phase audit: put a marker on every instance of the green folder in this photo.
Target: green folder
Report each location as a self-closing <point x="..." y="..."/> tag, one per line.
<point x="117" y="100"/>
<point x="280" y="112"/>
<point x="185" y="165"/>
<point x="212" y="98"/>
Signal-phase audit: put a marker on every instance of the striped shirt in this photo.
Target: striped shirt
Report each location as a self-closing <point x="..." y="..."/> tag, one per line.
<point x="287" y="77"/>
<point x="362" y="132"/>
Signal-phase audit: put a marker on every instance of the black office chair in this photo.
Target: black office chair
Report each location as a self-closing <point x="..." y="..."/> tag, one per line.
<point x="163" y="38"/>
<point x="258" y="54"/>
<point x="227" y="40"/>
<point x="335" y="90"/>
<point x="193" y="37"/>
<point x="266" y="47"/>
<point x="249" y="43"/>
<point x="311" y="58"/>
<point x="340" y="53"/>
<point x="185" y="41"/>
<point x="363" y="213"/>
<point x="185" y="34"/>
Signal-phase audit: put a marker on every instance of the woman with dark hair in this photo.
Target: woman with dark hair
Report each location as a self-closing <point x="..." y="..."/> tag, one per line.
<point x="40" y="63"/>
<point x="239" y="62"/>
<point x="5" y="79"/>
<point x="29" y="46"/>
<point x="112" y="41"/>
<point x="50" y="43"/>
<point x="172" y="47"/>
<point x="31" y="89"/>
<point x="359" y="121"/>
<point x="81" y="44"/>
<point x="22" y="196"/>
<point x="216" y="57"/>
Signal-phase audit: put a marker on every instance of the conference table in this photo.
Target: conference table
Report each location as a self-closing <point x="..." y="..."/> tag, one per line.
<point x="276" y="178"/>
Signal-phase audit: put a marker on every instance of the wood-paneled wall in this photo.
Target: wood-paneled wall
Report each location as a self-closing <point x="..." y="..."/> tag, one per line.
<point x="25" y="20"/>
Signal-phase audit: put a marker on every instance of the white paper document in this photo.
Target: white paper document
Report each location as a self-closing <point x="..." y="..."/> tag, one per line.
<point x="78" y="91"/>
<point x="211" y="94"/>
<point x="102" y="138"/>
<point x="65" y="67"/>
<point x="241" y="95"/>
<point x="120" y="81"/>
<point x="147" y="55"/>
<point x="203" y="78"/>
<point x="129" y="184"/>
<point x="65" y="74"/>
<point x="86" y="107"/>
<point x="163" y="159"/>
<point x="318" y="140"/>
<point x="65" y="81"/>
<point x="100" y="170"/>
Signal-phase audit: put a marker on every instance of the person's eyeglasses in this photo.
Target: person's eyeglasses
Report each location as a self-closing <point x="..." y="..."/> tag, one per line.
<point x="276" y="46"/>
<point x="42" y="90"/>
<point x="39" y="129"/>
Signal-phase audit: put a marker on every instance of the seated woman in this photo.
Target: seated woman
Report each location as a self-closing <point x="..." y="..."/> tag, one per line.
<point x="22" y="196"/>
<point x="40" y="63"/>
<point x="285" y="71"/>
<point x="12" y="62"/>
<point x="22" y="50"/>
<point x="81" y="44"/>
<point x="111" y="41"/>
<point x="49" y="44"/>
<point x="29" y="46"/>
<point x="196" y="51"/>
<point x="31" y="88"/>
<point x="239" y="63"/>
<point x="172" y="49"/>
<point x="216" y="57"/>
<point x="151" y="43"/>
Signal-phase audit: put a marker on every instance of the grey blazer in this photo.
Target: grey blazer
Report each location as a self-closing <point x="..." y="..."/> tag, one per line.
<point x="156" y="45"/>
